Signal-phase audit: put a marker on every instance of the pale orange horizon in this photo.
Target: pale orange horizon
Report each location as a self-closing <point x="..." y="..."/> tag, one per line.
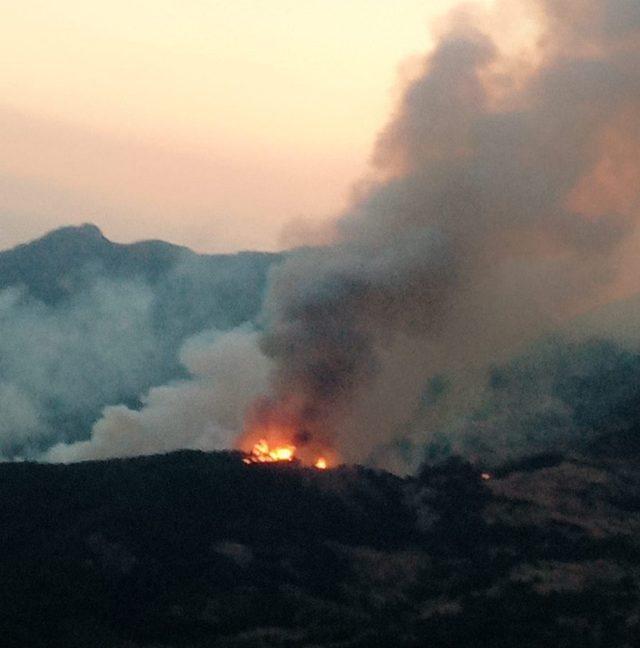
<point x="208" y="124"/>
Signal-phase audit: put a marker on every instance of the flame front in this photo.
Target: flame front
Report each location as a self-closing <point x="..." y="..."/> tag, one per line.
<point x="262" y="452"/>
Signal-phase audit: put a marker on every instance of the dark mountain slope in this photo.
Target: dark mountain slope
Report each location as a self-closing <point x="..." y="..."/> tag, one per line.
<point x="194" y="549"/>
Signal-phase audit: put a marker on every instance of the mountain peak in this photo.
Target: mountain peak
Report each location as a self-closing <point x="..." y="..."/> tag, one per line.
<point x="85" y="230"/>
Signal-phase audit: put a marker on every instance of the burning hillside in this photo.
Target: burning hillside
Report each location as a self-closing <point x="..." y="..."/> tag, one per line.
<point x="275" y="435"/>
<point x="263" y="453"/>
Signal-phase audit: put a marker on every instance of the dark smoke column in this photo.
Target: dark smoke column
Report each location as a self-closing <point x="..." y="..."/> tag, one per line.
<point x="493" y="196"/>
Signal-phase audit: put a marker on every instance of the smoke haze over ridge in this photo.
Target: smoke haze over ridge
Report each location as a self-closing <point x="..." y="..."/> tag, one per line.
<point x="86" y="323"/>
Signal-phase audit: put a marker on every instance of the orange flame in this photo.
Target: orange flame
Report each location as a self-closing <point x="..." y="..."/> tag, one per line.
<point x="263" y="453"/>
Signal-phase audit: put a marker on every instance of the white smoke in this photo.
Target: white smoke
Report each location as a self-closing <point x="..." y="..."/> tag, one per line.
<point x="203" y="412"/>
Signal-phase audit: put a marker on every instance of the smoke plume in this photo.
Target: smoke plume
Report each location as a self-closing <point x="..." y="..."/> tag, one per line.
<point x="504" y="191"/>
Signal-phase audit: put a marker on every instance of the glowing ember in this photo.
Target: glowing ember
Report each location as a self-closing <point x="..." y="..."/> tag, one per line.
<point x="321" y="464"/>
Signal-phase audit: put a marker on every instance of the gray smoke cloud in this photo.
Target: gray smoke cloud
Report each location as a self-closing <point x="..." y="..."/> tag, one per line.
<point x="561" y="396"/>
<point x="59" y="364"/>
<point x="498" y="207"/>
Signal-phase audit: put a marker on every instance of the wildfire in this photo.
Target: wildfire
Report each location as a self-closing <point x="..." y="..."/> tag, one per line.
<point x="263" y="453"/>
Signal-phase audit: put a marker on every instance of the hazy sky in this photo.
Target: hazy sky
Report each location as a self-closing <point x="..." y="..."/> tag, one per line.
<point x="205" y="122"/>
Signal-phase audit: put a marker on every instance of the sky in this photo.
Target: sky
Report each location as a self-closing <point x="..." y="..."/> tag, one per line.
<point x="210" y="124"/>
